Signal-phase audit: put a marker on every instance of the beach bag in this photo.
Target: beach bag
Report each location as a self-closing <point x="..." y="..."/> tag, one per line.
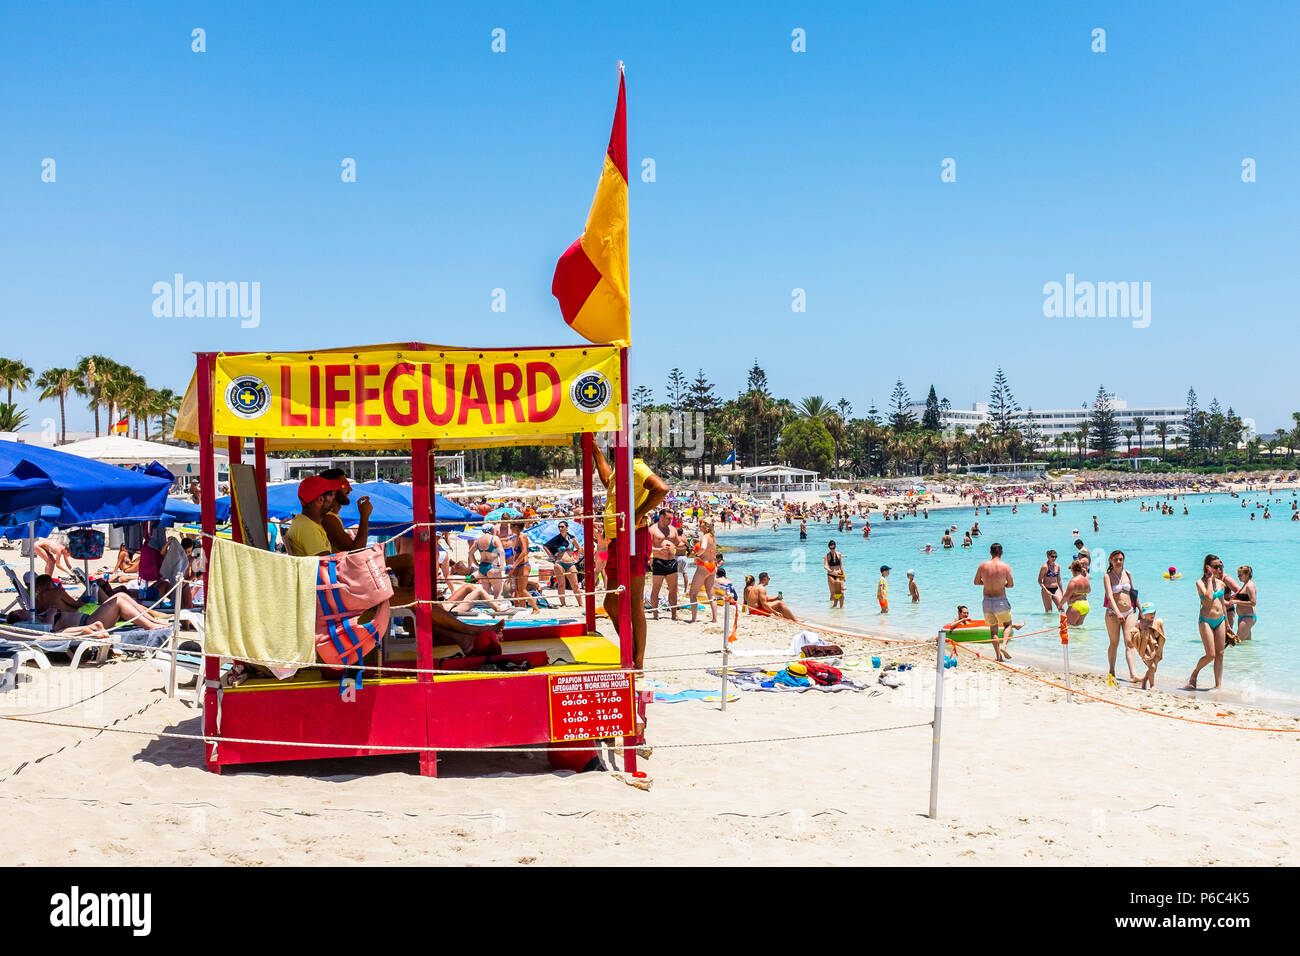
<point x="86" y="544"/>
<point x="348" y="585"/>
<point x="823" y="674"/>
<point x="822" y="650"/>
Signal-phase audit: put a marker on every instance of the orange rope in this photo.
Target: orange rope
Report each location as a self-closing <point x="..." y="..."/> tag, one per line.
<point x="1141" y="710"/>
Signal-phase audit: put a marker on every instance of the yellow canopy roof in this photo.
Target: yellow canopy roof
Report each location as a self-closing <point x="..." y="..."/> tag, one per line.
<point x="187" y="417"/>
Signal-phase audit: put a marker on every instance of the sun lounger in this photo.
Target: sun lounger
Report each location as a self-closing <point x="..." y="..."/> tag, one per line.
<point x="15" y="655"/>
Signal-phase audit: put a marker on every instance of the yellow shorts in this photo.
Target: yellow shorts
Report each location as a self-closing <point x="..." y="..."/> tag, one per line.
<point x="997" y="612"/>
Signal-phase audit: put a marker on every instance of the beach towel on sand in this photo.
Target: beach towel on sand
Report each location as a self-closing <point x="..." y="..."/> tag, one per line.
<point x="262" y="605"/>
<point x="752" y="678"/>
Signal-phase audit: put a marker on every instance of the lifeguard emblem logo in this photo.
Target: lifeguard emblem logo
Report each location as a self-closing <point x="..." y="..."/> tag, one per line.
<point x="248" y="397"/>
<point x="591" y="392"/>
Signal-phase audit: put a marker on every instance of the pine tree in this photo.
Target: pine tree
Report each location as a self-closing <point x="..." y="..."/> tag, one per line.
<point x="932" y="420"/>
<point x="757" y="381"/>
<point x="900" y="415"/>
<point x="701" y="400"/>
<point x="1192" y="424"/>
<point x="1103" y="432"/>
<point x="1002" y="406"/>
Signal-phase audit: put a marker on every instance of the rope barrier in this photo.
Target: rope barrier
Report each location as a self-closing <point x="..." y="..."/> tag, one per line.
<point x="1115" y="703"/>
<point x="437" y="749"/>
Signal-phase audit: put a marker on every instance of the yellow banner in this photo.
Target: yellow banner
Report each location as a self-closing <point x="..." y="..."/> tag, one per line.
<point x="337" y="398"/>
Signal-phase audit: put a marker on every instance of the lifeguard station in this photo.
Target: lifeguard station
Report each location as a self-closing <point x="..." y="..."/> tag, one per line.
<point x="421" y="397"/>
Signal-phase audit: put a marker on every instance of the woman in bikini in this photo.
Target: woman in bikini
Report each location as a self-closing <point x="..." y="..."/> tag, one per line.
<point x="1049" y="579"/>
<point x="1213" y="621"/>
<point x="1121" y="616"/>
<point x="834" y="565"/>
<point x="486" y="551"/>
<point x="1075" y="599"/>
<point x="706" y="570"/>
<point x="518" y="567"/>
<point x="602" y="555"/>
<point x="564" y="552"/>
<point x="1244" y="600"/>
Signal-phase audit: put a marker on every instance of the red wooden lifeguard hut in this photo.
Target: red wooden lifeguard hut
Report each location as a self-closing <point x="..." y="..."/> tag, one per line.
<point x="421" y="397"/>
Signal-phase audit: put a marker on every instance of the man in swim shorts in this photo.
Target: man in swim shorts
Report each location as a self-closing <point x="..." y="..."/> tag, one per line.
<point x="665" y="542"/>
<point x="994" y="575"/>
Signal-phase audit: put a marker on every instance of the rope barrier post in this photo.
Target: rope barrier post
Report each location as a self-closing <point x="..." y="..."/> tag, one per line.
<point x="938" y="724"/>
<point x="177" y="592"/>
<point x="1065" y="649"/>
<point x="726" y="649"/>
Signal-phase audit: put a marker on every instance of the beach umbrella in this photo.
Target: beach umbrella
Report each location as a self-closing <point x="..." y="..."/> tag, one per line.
<point x="539" y="534"/>
<point x="92" y="492"/>
<point x="28" y="494"/>
<point x="499" y="513"/>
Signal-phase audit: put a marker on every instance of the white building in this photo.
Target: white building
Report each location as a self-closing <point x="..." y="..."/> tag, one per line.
<point x="773" y="479"/>
<point x="1053" y="423"/>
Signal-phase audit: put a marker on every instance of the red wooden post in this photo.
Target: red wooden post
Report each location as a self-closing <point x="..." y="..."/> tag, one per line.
<point x="208" y="521"/>
<point x="588" y="540"/>
<point x="235" y="455"/>
<point x="422" y="497"/>
<point x="626" y="508"/>
<point x="259" y="464"/>
<point x="433" y="515"/>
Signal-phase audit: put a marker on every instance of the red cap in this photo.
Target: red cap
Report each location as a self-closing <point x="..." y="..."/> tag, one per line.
<point x="309" y="489"/>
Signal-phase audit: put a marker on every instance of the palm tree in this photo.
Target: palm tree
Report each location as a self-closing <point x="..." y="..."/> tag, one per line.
<point x="163" y="405"/>
<point x="1162" y="430"/>
<point x="1128" y="442"/>
<point x="814" y="407"/>
<point x="1083" y="441"/>
<point x="14" y="374"/>
<point x="11" y="419"/>
<point x="58" y="382"/>
<point x="94" y="371"/>
<point x="1140" y="426"/>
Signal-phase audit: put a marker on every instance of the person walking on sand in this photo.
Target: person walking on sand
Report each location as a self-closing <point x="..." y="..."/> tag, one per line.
<point x="1150" y="642"/>
<point x="706" y="568"/>
<point x="1121" y="614"/>
<point x="664" y="545"/>
<point x="1212" y="622"/>
<point x="833" y="562"/>
<point x="994" y="576"/>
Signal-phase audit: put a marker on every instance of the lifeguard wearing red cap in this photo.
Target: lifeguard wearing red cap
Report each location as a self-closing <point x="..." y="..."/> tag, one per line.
<point x="311" y="488"/>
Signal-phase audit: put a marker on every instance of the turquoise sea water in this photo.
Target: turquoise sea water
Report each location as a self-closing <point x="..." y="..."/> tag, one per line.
<point x="1259" y="670"/>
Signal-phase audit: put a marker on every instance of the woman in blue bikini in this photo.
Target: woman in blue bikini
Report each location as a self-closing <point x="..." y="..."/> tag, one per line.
<point x="1213" y="622"/>
<point x="487" y="551"/>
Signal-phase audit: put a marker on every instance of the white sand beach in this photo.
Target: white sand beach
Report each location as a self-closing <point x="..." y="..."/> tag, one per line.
<point x="1025" y="778"/>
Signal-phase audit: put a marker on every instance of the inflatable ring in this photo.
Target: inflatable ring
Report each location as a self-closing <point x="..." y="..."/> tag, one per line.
<point x="1175" y="577"/>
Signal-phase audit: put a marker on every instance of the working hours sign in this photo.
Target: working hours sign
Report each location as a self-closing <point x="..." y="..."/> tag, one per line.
<point x="376" y="396"/>
<point x="591" y="705"/>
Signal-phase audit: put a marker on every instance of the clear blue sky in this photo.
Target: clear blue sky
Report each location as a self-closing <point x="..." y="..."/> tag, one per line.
<point x="775" y="170"/>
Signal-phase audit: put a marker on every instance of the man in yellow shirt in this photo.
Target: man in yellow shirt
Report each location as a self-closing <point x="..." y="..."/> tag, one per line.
<point x="650" y="491"/>
<point x="306" y="536"/>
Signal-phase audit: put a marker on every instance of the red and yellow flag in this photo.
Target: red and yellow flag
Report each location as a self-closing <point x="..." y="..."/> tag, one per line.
<point x="121" y="427"/>
<point x="591" y="277"/>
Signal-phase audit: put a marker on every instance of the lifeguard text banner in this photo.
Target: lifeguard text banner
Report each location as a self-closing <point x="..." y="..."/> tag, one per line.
<point x="374" y="396"/>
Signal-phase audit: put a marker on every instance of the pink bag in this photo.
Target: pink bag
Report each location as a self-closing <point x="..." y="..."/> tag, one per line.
<point x="347" y="585"/>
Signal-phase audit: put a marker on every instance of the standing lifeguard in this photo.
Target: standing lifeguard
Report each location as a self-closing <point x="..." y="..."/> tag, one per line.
<point x="650" y="493"/>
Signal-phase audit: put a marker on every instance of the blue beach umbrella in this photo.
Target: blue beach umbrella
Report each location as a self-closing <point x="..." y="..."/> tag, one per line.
<point x="92" y="492"/>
